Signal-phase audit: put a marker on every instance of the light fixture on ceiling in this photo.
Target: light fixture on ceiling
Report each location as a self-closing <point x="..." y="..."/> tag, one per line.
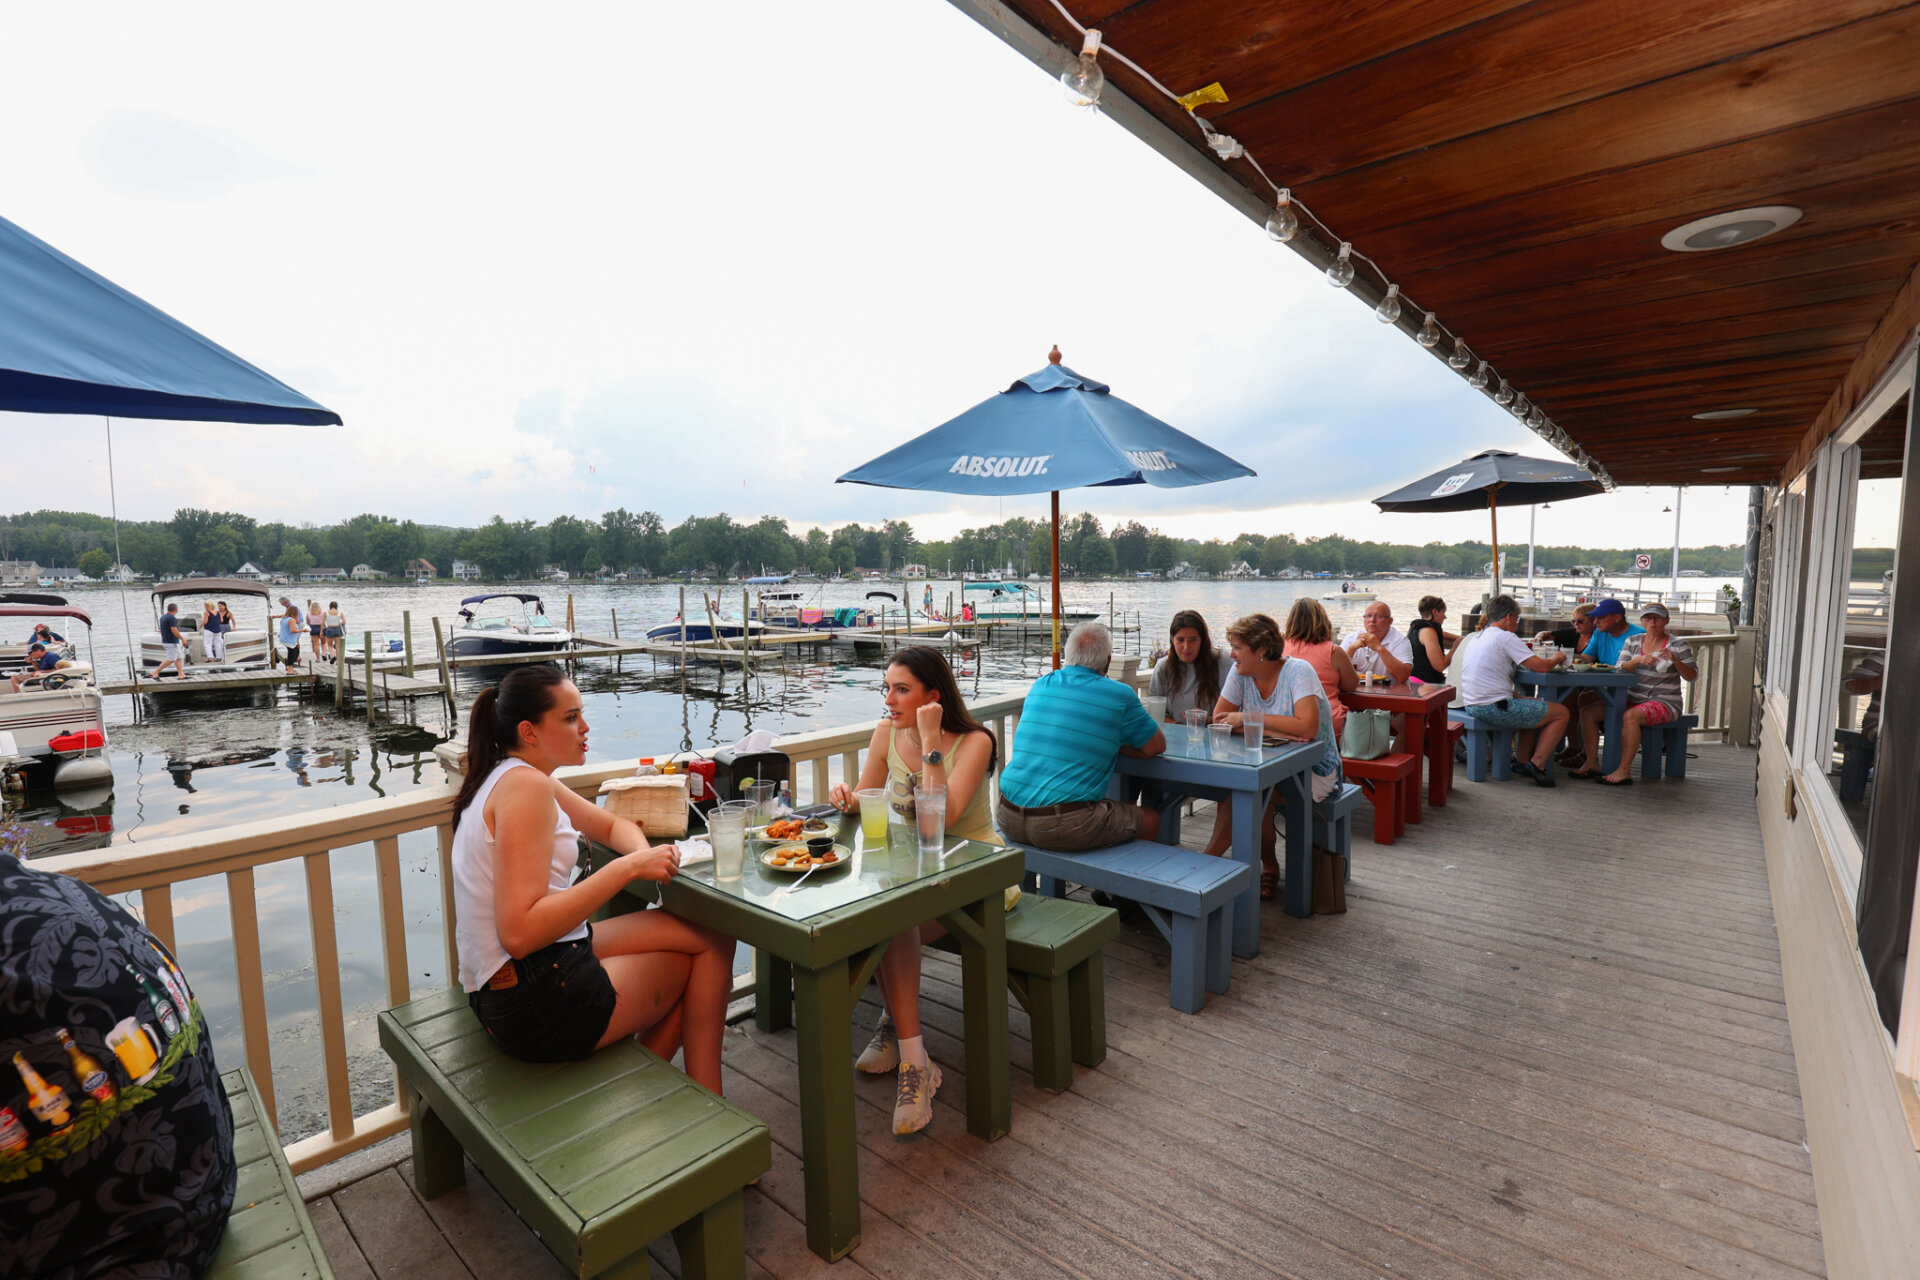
<point x="1340" y="270"/>
<point x="1721" y="415"/>
<point x="1083" y="80"/>
<point x="1725" y="230"/>
<point x="1389" y="309"/>
<point x="1504" y="396"/>
<point x="1714" y="471"/>
<point x="1429" y="335"/>
<point x="1460" y="358"/>
<point x="1481" y="377"/>
<point x="1283" y="222"/>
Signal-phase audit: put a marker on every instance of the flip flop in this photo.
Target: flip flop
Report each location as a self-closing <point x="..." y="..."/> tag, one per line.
<point x="1588" y="773"/>
<point x="1269" y="883"/>
<point x="1605" y="781"/>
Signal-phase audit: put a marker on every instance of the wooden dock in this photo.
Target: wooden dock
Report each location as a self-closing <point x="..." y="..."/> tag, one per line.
<point x="1547" y="1039"/>
<point x="388" y="682"/>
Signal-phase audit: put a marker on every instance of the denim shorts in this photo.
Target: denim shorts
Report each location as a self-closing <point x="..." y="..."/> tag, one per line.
<point x="1511" y="713"/>
<point x="557" y="1008"/>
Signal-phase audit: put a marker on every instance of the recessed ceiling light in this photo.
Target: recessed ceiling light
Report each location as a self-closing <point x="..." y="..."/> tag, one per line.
<point x="1714" y="471"/>
<point x="1724" y="230"/>
<point x="1717" y="415"/>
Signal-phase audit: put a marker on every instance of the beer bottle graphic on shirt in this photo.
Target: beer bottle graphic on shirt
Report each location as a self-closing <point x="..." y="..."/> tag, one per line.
<point x="47" y="1101"/>
<point x="162" y="1007"/>
<point x="174" y="981"/>
<point x="13" y="1134"/>
<point x="93" y="1080"/>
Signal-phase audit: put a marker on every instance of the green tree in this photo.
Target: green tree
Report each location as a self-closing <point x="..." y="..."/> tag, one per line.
<point x="1163" y="554"/>
<point x="619" y="538"/>
<point x="1252" y="548"/>
<point x="570" y="540"/>
<point x="294" y="559"/>
<point x="95" y="563"/>
<point x="651" y="532"/>
<point x="219" y="550"/>
<point x="1131" y="543"/>
<point x="1214" y="557"/>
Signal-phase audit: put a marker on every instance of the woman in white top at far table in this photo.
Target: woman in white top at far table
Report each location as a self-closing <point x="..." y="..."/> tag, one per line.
<point x="1288" y="694"/>
<point x="1486" y="690"/>
<point x="546" y="985"/>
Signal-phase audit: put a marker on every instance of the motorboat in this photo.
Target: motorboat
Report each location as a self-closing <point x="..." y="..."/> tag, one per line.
<point x="504" y="635"/>
<point x="1350" y="594"/>
<point x="57" y="718"/>
<point x="704" y="627"/>
<point x="1009" y="601"/>
<point x="247" y="649"/>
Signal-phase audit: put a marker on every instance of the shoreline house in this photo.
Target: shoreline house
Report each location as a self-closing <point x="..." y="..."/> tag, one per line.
<point x="16" y="573"/>
<point x="250" y="572"/>
<point x="367" y="573"/>
<point x="466" y="570"/>
<point x="324" y="575"/>
<point x="419" y="567"/>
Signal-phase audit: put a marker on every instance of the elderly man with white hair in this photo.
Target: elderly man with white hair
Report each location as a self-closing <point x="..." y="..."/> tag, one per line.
<point x="1075" y="724"/>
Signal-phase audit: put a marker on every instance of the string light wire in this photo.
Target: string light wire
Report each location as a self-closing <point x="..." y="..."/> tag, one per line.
<point x="1229" y="149"/>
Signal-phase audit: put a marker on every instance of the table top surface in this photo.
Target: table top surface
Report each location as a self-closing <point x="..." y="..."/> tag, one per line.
<point x="866" y="878"/>
<point x="1398" y="696"/>
<point x="1565" y="676"/>
<point x="1194" y="751"/>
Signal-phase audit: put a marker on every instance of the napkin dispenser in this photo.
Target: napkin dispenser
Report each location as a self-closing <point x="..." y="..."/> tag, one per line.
<point x="731" y="769"/>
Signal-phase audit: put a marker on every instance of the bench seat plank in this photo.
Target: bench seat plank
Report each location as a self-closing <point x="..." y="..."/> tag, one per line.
<point x="268" y="1231"/>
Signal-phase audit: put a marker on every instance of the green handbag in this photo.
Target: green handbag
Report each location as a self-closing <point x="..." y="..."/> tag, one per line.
<point x="1368" y="735"/>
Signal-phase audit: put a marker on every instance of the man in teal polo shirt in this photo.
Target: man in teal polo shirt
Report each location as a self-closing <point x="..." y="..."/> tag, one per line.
<point x="1610" y="632"/>
<point x="1075" y="724"/>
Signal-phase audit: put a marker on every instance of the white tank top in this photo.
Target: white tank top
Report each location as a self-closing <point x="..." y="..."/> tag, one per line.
<point x="476" y="937"/>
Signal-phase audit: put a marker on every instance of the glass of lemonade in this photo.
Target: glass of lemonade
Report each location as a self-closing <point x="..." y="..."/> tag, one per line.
<point x="873" y="815"/>
<point x="727" y="828"/>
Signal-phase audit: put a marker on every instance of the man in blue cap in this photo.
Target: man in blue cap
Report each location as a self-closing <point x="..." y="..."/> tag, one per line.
<point x="1610" y="631"/>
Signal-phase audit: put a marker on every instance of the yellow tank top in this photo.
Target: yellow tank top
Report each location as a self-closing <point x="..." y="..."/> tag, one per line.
<point x="975" y="824"/>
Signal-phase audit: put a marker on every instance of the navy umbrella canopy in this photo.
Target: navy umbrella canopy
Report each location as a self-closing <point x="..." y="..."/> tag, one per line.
<point x="1490" y="479"/>
<point x="1051" y="430"/>
<point x="72" y="341"/>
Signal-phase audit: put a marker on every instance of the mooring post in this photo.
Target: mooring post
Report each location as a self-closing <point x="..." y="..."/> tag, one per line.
<point x="367" y="667"/>
<point x="615" y="615"/>
<point x="406" y="635"/>
<point x="446" y="673"/>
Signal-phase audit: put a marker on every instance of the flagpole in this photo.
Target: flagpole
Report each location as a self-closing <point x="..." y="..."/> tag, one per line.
<point x="1493" y="510"/>
<point x="1056" y="579"/>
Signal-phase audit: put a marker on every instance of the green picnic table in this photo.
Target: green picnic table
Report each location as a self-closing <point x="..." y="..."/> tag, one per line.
<point x="817" y="943"/>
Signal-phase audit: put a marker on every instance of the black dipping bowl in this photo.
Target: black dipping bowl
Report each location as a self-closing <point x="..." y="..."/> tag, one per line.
<point x="820" y="846"/>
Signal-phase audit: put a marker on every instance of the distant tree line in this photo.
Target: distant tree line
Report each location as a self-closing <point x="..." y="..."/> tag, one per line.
<point x="219" y="542"/>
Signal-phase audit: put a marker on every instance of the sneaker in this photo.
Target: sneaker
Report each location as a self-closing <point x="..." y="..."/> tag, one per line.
<point x="913" y="1103"/>
<point x="1541" y="778"/>
<point x="882" y="1053"/>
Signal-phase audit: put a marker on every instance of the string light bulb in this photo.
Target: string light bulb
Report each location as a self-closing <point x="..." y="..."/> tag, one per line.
<point x="1481" y="376"/>
<point x="1536" y="419"/>
<point x="1083" y="81"/>
<point x="1283" y="223"/>
<point x="1519" y="408"/>
<point x="1340" y="270"/>
<point x="1460" y="358"/>
<point x="1389" y="309"/>
<point x="1504" y="396"/>
<point x="1429" y="335"/>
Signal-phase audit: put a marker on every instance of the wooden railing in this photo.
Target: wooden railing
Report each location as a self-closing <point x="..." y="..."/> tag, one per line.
<point x="152" y="869"/>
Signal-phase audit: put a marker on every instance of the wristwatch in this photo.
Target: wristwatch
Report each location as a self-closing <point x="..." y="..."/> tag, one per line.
<point x="935" y="756"/>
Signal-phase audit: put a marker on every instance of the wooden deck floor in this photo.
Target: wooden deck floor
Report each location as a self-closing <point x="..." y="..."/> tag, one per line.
<point x="1546" y="1040"/>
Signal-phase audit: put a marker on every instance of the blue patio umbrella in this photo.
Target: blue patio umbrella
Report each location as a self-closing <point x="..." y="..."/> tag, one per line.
<point x="72" y="341"/>
<point x="1051" y="430"/>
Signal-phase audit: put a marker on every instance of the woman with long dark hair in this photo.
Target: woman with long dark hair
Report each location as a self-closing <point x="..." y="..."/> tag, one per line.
<point x="546" y="985"/>
<point x="926" y="738"/>
<point x="1191" y="674"/>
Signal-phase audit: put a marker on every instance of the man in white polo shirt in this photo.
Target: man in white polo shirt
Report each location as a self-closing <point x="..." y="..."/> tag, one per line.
<point x="1379" y="648"/>
<point x="1486" y="691"/>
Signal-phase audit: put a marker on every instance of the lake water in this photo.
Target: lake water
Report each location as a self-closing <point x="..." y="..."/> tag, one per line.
<point x="185" y="768"/>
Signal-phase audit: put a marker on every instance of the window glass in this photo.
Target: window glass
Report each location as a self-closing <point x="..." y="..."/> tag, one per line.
<point x="1856" y="657"/>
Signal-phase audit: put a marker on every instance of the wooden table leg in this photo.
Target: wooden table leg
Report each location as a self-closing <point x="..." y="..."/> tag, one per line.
<point x="1439" y="759"/>
<point x="1616" y="700"/>
<point x="981" y="929"/>
<point x="829" y="1150"/>
<point x="1416" y="731"/>
<point x="1299" y="813"/>
<point x="1249" y="812"/>
<point x="772" y="991"/>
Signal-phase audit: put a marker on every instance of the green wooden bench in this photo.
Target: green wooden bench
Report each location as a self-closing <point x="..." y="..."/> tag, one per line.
<point x="268" y="1231"/>
<point x="1055" y="970"/>
<point x="601" y="1157"/>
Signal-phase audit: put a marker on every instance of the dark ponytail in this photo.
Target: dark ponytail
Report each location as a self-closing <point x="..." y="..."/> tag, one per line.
<point x="493" y="730"/>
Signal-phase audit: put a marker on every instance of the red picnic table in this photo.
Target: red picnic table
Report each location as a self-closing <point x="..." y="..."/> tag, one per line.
<point x="1424" y="707"/>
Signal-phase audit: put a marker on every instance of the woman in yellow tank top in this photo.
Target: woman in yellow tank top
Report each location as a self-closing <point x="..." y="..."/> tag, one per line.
<point x="926" y="738"/>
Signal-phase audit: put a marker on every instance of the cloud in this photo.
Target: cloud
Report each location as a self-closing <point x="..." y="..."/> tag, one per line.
<point x="476" y="477"/>
<point x="151" y="155"/>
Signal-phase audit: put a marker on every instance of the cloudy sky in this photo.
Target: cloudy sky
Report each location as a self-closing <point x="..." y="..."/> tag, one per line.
<point x="687" y="258"/>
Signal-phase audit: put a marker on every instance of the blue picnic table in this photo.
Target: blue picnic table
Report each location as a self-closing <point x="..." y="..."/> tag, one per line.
<point x="1242" y="778"/>
<point x="1612" y="686"/>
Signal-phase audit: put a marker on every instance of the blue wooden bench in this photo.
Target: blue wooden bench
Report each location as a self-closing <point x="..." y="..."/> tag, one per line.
<point x="1665" y="743"/>
<point x="1333" y="823"/>
<point x="1489" y="750"/>
<point x="1188" y="896"/>
<point x="1856" y="764"/>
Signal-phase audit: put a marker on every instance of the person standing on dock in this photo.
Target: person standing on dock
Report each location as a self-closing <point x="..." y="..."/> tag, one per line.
<point x="287" y="625"/>
<point x="335" y="629"/>
<point x="173" y="653"/>
<point x="316" y="624"/>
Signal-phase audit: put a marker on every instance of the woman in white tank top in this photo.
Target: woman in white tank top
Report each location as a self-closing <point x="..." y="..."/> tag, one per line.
<point x="546" y="985"/>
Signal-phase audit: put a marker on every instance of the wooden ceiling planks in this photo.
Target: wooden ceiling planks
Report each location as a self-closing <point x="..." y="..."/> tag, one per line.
<point x="1513" y="166"/>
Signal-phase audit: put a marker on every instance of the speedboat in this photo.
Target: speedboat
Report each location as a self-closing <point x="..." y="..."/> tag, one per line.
<point x="504" y="636"/>
<point x="705" y="627"/>
<point x="248" y="648"/>
<point x="57" y="718"/>
<point x="1018" y="602"/>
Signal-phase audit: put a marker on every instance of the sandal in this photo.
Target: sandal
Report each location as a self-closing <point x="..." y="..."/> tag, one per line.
<point x="1605" y="781"/>
<point x="1269" y="883"/>
<point x="1587" y="773"/>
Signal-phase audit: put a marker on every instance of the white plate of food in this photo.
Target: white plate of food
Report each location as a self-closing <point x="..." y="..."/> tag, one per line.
<point x="790" y="829"/>
<point x="796" y="858"/>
